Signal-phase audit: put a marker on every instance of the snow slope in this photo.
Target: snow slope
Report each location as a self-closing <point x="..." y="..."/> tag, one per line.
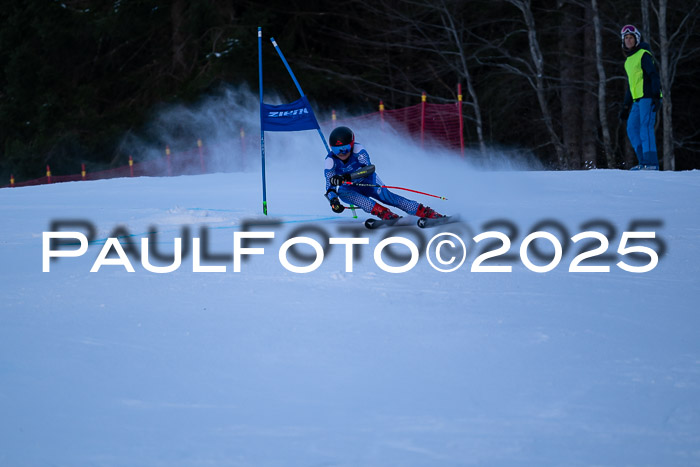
<point x="267" y="367"/>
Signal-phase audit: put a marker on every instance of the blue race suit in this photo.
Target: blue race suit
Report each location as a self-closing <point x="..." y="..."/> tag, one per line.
<point x="361" y="196"/>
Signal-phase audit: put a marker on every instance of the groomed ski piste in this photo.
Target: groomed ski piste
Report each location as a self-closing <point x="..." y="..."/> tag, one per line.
<point x="353" y="363"/>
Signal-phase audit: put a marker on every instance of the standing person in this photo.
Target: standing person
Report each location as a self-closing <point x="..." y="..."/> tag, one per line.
<point x="642" y="99"/>
<point x="346" y="157"/>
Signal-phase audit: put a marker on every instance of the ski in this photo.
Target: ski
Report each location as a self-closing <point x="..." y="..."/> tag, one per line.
<point x="425" y="222"/>
<point x="377" y="223"/>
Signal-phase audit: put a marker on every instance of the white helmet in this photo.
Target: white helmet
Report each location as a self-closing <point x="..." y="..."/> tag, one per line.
<point x="629" y="29"/>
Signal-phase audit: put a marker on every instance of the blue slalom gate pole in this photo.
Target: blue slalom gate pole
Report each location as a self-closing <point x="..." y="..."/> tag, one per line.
<point x="294" y="78"/>
<point x="262" y="131"/>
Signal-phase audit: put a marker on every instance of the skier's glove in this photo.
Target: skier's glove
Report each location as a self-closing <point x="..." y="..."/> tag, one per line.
<point x="624" y="113"/>
<point x="655" y="104"/>
<point x="337" y="180"/>
<point x="336" y="206"/>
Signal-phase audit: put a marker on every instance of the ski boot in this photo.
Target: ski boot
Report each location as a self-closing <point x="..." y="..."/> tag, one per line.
<point x="383" y="213"/>
<point x="426" y="212"/>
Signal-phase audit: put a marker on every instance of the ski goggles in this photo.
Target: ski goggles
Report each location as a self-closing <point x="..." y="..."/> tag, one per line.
<point x="344" y="149"/>
<point x="629" y="29"/>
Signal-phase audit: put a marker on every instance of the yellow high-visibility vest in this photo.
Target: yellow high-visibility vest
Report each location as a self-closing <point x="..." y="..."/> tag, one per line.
<point x="635" y="74"/>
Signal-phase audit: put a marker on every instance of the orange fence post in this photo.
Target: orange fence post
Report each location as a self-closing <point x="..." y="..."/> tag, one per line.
<point x="333" y="117"/>
<point x="201" y="153"/>
<point x="12" y="180"/>
<point x="167" y="156"/>
<point x="82" y="171"/>
<point x="461" y="118"/>
<point x="48" y="173"/>
<point x="422" y="118"/>
<point x="381" y="113"/>
<point x="131" y="166"/>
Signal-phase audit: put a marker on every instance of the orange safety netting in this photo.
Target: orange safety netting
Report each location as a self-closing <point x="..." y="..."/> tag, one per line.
<point x="439" y="123"/>
<point x="425" y="122"/>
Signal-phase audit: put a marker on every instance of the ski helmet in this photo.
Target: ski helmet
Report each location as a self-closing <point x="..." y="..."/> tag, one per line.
<point x="629" y="29"/>
<point x="341" y="140"/>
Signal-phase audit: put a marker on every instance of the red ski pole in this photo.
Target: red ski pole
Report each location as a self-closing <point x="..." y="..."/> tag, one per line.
<point x="394" y="188"/>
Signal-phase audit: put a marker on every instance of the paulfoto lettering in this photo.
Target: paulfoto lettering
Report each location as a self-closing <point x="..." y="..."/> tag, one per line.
<point x="113" y="245"/>
<point x="445" y="251"/>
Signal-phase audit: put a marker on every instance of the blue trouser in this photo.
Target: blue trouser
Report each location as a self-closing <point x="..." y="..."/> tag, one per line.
<point x="361" y="196"/>
<point x="640" y="129"/>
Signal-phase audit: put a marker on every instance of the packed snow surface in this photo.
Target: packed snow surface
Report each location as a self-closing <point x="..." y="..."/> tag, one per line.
<point x="350" y="364"/>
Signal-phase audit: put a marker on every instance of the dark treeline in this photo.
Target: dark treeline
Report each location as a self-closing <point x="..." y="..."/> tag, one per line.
<point x="76" y="76"/>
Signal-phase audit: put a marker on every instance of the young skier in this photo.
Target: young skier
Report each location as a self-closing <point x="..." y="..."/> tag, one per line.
<point x="346" y="157"/>
<point x="642" y="99"/>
